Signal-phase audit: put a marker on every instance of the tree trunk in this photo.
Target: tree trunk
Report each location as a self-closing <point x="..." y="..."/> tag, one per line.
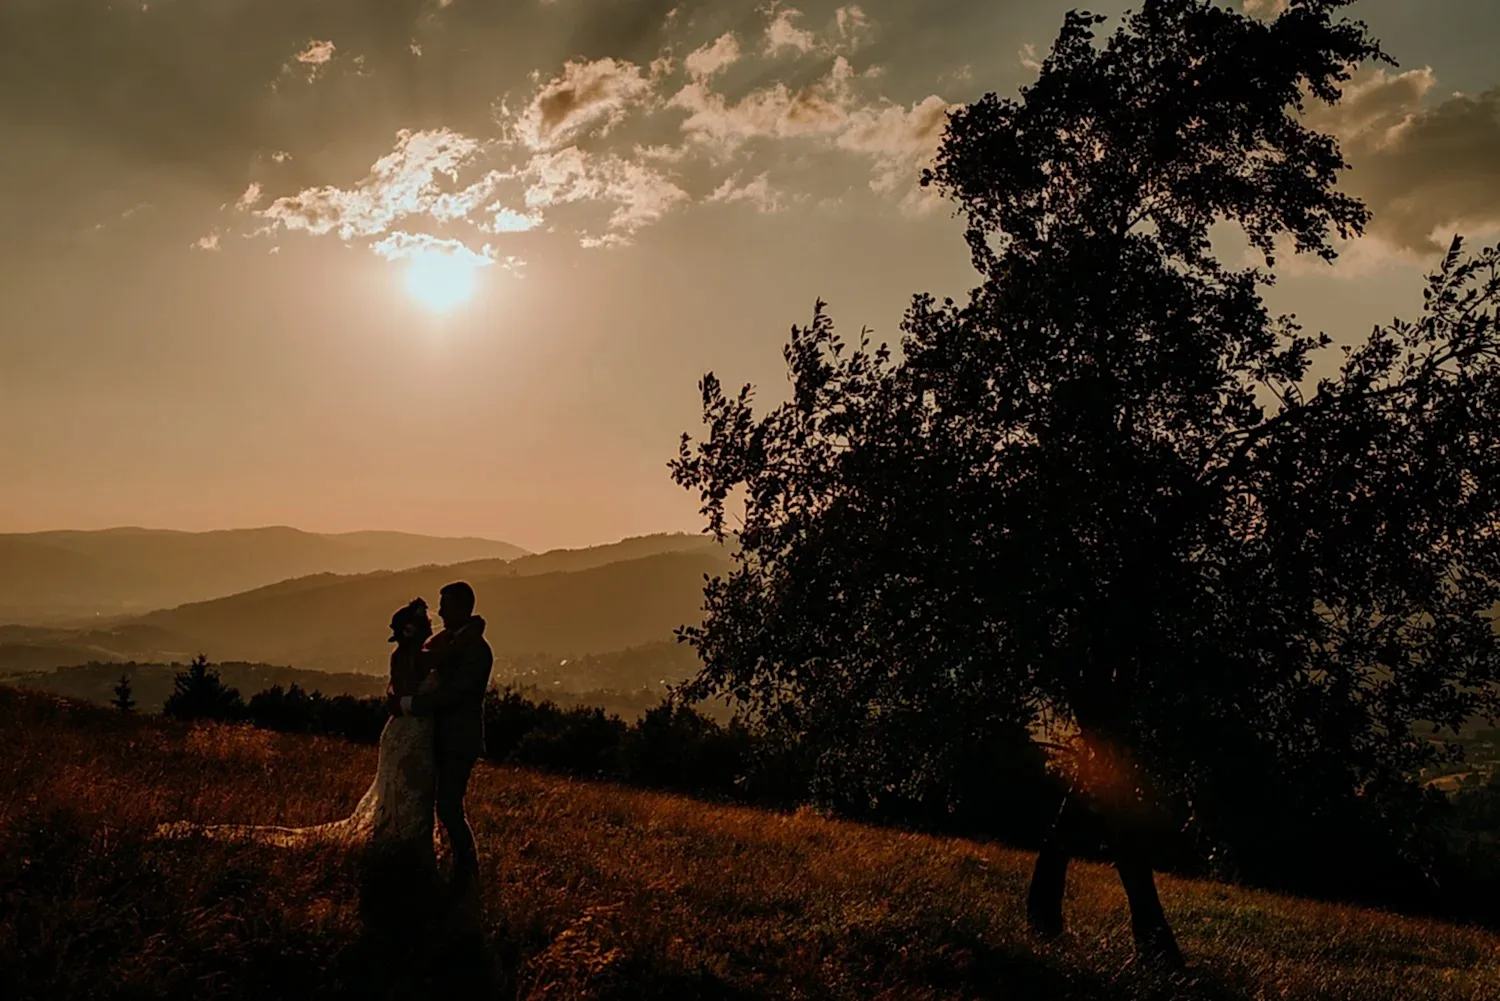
<point x="1154" y="941"/>
<point x="1049" y="877"/>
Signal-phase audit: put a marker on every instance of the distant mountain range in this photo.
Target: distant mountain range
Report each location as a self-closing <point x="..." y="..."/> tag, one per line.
<point x="51" y="577"/>
<point x="545" y="608"/>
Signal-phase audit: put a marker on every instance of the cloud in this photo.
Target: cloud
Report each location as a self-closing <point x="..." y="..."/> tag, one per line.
<point x="250" y="198"/>
<point x="316" y="53"/>
<point x="782" y="33"/>
<point x="898" y="139"/>
<point x="603" y="241"/>
<point x="853" y="25"/>
<point x="901" y="141"/>
<point x="1265" y="8"/>
<point x="559" y="178"/>
<point x="209" y="243"/>
<point x="404" y="182"/>
<point x="641" y="195"/>
<point x="850" y="28"/>
<point x="400" y="244"/>
<point x="434" y="258"/>
<point x="451" y="206"/>
<point x="1029" y="57"/>
<point x="588" y="95"/>
<point x="508" y="220"/>
<point x="713" y="57"/>
<point x="1425" y="170"/>
<point x="757" y="192"/>
<point x="771" y="112"/>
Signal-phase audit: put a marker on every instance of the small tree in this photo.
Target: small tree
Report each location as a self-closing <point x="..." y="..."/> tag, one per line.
<point x="199" y="693"/>
<point x="123" y="700"/>
<point x="1104" y="496"/>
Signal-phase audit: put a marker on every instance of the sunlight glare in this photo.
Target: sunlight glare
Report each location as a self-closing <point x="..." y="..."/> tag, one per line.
<point x="441" y="281"/>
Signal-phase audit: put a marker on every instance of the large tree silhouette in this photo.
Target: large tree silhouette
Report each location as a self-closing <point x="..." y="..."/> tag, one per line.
<point x="1107" y="496"/>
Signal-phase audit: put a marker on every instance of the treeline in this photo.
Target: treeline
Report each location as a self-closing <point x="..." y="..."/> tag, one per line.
<point x="1004" y="791"/>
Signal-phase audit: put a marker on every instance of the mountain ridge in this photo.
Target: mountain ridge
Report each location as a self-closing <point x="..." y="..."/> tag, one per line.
<point x="62" y="575"/>
<point x="563" y="603"/>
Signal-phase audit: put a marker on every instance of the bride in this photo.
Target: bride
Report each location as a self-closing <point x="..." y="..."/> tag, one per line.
<point x="396" y="811"/>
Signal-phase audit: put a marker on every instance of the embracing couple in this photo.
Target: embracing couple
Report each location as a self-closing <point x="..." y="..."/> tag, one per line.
<point x="436" y="731"/>
<point x="427" y="749"/>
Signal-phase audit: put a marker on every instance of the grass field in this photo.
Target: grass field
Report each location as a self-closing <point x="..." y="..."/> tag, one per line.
<point x="590" y="891"/>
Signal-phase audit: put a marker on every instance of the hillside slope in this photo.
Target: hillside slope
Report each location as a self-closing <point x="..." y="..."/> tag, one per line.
<point x="55" y="575"/>
<point x="593" y="891"/>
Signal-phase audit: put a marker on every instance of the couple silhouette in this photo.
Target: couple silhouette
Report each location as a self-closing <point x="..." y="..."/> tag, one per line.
<point x="428" y="750"/>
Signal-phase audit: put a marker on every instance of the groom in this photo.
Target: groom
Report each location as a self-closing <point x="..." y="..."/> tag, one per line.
<point x="457" y="708"/>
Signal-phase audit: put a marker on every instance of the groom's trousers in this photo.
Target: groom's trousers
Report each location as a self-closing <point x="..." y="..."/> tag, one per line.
<point x="452" y="782"/>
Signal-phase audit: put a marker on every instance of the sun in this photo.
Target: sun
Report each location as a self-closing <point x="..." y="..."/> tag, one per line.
<point x="441" y="281"/>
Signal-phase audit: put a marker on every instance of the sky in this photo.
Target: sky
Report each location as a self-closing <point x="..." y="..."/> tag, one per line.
<point x="456" y="266"/>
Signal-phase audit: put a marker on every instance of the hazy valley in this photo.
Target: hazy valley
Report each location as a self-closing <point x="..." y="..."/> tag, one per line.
<point x="599" y="619"/>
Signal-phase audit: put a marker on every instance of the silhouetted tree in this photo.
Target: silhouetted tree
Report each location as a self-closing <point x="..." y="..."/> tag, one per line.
<point x="1104" y="498"/>
<point x="123" y="700"/>
<point x="199" y="693"/>
<point x="288" y="710"/>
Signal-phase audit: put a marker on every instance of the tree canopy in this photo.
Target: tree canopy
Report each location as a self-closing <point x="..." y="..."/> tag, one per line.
<point x="1108" y="498"/>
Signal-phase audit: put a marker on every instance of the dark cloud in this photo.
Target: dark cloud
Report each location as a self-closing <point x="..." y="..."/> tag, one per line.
<point x="1426" y="169"/>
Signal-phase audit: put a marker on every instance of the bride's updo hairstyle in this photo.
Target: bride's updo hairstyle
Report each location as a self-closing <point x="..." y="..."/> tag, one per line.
<point x="413" y="614"/>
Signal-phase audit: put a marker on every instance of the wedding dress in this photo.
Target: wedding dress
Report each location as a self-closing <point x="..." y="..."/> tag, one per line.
<point x="395" y="813"/>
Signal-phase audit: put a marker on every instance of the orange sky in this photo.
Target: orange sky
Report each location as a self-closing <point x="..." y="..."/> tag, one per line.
<point x="210" y="217"/>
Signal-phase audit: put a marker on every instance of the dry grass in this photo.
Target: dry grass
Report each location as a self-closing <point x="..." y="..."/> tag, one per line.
<point x="591" y="891"/>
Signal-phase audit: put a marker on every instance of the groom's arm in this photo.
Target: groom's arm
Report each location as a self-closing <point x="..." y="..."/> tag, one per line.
<point x="463" y="680"/>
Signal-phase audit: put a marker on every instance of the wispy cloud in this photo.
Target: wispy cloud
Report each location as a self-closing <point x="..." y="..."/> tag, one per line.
<point x="854" y="26"/>
<point x="317" y="53"/>
<point x="782" y="33"/>
<point x="250" y="198"/>
<point x="775" y="112"/>
<point x="400" y="245"/>
<point x="404" y="182"/>
<point x="508" y="220"/>
<point x="718" y="55"/>
<point x="640" y="194"/>
<point x="587" y="96"/>
<point x="757" y="192"/>
<point x="901" y="141"/>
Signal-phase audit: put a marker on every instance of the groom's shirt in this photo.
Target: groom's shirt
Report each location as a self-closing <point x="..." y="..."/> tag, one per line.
<point x="457" y="702"/>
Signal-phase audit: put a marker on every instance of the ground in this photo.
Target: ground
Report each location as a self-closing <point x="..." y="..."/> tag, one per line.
<point x="591" y="891"/>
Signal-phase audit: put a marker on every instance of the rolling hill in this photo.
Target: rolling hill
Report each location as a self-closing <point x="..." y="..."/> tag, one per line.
<point x="542" y="609"/>
<point x="58" y="576"/>
<point x="339" y="624"/>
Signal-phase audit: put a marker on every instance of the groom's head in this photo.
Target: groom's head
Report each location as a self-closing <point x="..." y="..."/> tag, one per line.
<point x="456" y="604"/>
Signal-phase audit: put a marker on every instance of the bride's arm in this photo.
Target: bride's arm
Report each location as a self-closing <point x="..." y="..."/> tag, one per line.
<point x="464" y="679"/>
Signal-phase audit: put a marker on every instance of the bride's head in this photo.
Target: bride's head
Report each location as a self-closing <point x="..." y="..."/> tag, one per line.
<point x="410" y="624"/>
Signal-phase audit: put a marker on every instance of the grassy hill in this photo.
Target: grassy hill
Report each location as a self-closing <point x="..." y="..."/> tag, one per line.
<point x="49" y="576"/>
<point x="592" y="891"/>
